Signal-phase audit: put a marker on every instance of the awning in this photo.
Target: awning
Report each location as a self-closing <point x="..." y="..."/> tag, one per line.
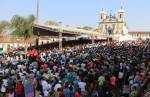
<point x="42" y="30"/>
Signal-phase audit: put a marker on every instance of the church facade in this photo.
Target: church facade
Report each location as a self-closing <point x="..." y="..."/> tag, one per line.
<point x="115" y="27"/>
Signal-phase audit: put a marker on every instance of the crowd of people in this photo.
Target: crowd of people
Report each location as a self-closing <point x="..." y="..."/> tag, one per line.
<point x="108" y="69"/>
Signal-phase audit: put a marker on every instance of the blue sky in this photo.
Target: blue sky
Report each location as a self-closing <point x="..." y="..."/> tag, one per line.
<point x="80" y="12"/>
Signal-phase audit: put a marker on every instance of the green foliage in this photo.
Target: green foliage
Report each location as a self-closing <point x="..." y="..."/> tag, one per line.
<point x="4" y="25"/>
<point x="29" y="22"/>
<point x="53" y="23"/>
<point x="85" y="28"/>
<point x="18" y="25"/>
<point x="21" y="24"/>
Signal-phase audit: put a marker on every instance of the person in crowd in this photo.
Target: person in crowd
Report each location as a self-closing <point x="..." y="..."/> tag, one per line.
<point x="4" y="86"/>
<point x="78" y="93"/>
<point x="28" y="87"/>
<point x="19" y="90"/>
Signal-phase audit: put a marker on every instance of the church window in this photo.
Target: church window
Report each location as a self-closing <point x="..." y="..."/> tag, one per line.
<point x="101" y="17"/>
<point x="120" y="16"/>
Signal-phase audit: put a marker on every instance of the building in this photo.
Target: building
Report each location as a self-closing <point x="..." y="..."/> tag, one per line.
<point x="10" y="42"/>
<point x="140" y="35"/>
<point x="115" y="27"/>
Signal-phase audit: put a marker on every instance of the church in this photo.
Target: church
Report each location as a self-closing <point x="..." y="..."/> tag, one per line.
<point x="115" y="27"/>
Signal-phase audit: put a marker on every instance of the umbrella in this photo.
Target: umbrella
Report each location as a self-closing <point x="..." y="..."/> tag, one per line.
<point x="1" y="51"/>
<point x="28" y="53"/>
<point x="20" y="53"/>
<point x="15" y="62"/>
<point x="33" y="53"/>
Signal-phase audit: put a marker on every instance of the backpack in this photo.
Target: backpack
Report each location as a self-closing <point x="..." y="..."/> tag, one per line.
<point x="19" y="88"/>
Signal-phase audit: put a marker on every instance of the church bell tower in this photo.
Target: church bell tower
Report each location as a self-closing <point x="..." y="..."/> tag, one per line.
<point x="121" y="15"/>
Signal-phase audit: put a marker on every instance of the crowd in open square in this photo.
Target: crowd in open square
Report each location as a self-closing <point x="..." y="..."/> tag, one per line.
<point x="108" y="69"/>
<point x="62" y="58"/>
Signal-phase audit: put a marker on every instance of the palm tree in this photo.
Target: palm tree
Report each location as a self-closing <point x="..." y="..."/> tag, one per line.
<point x="4" y="25"/>
<point x="18" y="23"/>
<point x="21" y="24"/>
<point x="29" y="22"/>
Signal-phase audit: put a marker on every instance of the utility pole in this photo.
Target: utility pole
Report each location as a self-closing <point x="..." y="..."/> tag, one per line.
<point x="37" y="21"/>
<point x="60" y="38"/>
<point x="37" y="11"/>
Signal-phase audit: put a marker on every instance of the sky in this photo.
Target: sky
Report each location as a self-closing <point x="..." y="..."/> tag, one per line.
<point x="80" y="12"/>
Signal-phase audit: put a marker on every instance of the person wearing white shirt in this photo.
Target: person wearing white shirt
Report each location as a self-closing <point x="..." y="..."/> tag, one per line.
<point x="46" y="88"/>
<point x="4" y="85"/>
<point x="120" y="76"/>
<point x="82" y="85"/>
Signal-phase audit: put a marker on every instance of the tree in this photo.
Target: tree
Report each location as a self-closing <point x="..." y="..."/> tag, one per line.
<point x="29" y="22"/>
<point x="18" y="23"/>
<point x="21" y="24"/>
<point x="85" y="28"/>
<point x="53" y="23"/>
<point x="4" y="25"/>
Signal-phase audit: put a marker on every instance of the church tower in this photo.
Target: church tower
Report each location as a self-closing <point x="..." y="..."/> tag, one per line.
<point x="121" y="15"/>
<point x="102" y="15"/>
<point x="122" y="27"/>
